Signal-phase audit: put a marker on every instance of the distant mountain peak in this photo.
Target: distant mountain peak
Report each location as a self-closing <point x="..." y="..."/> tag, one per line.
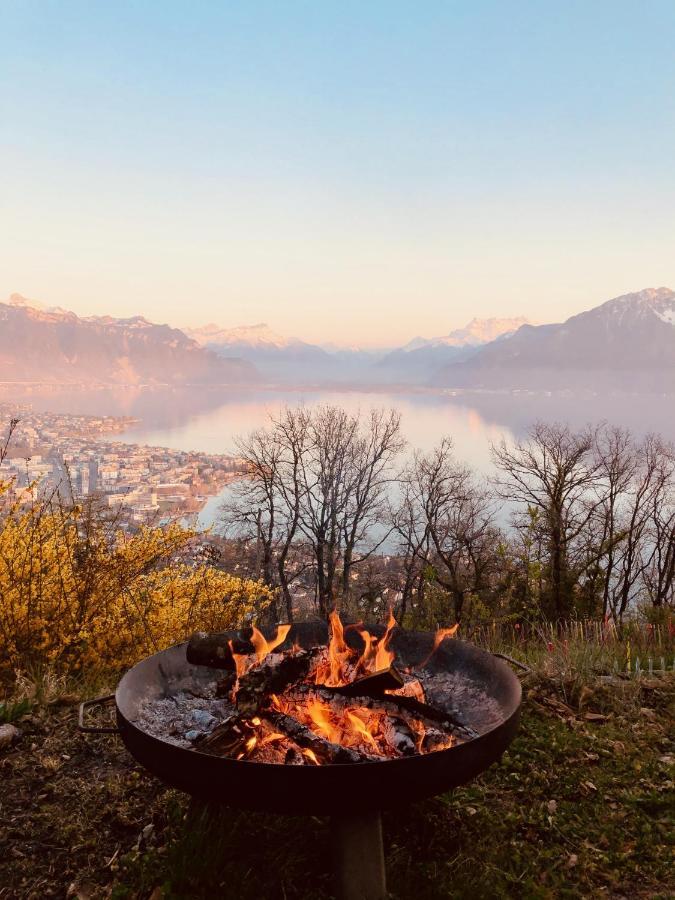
<point x="628" y="341"/>
<point x="258" y="335"/>
<point x="474" y="333"/>
<point x="21" y="301"/>
<point x="654" y="300"/>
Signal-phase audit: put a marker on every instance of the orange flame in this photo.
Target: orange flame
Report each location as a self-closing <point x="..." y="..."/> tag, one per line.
<point x="439" y="637"/>
<point x="342" y="664"/>
<point x="262" y="646"/>
<point x="268" y="739"/>
<point x="384" y="657"/>
<point x="311" y="755"/>
<point x="241" y="661"/>
<point x="319" y="713"/>
<point x="360" y="727"/>
<point x="412" y="689"/>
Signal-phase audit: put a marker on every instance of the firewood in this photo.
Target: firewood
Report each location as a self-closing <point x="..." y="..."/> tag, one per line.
<point x="274" y="675"/>
<point x="213" y="650"/>
<point x="224" y="685"/>
<point x="373" y="685"/>
<point x="325" y="751"/>
<point x="399" y="736"/>
<point x="389" y="703"/>
<point x="426" y="711"/>
<point x="294" y="757"/>
<point x="227" y="739"/>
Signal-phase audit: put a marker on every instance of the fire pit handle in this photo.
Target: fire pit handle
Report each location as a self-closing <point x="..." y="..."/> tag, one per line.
<point x="514" y="662"/>
<point x="94" y="729"/>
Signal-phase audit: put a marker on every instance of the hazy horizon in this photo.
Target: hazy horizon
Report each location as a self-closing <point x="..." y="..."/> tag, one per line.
<point x="352" y="174"/>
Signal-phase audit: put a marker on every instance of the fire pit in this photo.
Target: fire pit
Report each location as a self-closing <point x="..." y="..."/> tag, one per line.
<point x="286" y="728"/>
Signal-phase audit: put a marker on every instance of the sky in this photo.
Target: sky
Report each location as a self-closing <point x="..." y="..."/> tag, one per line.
<point x="351" y="172"/>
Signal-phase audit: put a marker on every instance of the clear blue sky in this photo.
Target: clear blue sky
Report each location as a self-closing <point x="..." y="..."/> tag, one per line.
<point x="360" y="172"/>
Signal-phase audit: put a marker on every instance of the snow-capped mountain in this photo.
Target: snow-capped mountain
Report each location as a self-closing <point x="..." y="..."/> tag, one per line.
<point x="260" y="335"/>
<point x="279" y="359"/>
<point x="289" y="360"/>
<point x="38" y="343"/>
<point x="418" y="361"/>
<point x="627" y="342"/>
<point x="475" y="333"/>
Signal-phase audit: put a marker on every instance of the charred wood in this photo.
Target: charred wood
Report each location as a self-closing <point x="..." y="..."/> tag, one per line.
<point x="227" y="739"/>
<point x="325" y="751"/>
<point x="273" y="676"/>
<point x="213" y="650"/>
<point x="373" y="685"/>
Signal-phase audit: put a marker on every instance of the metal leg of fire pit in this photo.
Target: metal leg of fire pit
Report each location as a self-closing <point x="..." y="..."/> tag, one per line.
<point x="359" y="857"/>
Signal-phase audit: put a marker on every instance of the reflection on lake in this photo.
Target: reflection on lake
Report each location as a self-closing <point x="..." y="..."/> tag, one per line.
<point x="209" y="419"/>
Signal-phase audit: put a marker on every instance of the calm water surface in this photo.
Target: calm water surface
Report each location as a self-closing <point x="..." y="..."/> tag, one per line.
<point x="210" y="419"/>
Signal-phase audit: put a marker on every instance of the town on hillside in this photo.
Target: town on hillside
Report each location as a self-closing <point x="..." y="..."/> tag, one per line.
<point x="73" y="455"/>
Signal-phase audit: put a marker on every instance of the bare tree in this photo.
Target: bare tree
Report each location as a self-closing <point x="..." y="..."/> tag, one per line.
<point x="265" y="504"/>
<point x="414" y="543"/>
<point x="373" y="451"/>
<point x="317" y="480"/>
<point x="553" y="471"/>
<point x="659" y="570"/>
<point x="635" y="488"/>
<point x="447" y="524"/>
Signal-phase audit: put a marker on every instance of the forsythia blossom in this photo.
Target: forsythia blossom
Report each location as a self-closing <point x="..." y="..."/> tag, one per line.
<point x="76" y="593"/>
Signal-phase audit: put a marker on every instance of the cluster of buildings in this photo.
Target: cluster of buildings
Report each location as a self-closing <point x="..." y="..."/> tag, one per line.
<point x="74" y="456"/>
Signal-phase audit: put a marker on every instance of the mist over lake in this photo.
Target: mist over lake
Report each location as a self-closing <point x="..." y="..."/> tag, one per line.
<point x="209" y="419"/>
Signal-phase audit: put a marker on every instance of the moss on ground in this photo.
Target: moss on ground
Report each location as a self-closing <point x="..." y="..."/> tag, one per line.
<point x="581" y="805"/>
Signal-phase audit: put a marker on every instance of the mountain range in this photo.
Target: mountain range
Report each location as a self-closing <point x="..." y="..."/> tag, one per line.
<point x="419" y="360"/>
<point x="289" y="360"/>
<point x="277" y="358"/>
<point x="625" y="343"/>
<point x="57" y="346"/>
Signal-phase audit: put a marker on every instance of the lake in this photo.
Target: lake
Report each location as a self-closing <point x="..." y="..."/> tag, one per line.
<point x="209" y="419"/>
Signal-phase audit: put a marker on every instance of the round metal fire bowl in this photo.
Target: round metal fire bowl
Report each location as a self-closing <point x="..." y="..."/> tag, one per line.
<point x="329" y="789"/>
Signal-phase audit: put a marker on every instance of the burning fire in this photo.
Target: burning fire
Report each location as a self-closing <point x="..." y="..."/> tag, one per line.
<point x="343" y="664"/>
<point x="261" y="647"/>
<point x="363" y="725"/>
<point x="439" y="637"/>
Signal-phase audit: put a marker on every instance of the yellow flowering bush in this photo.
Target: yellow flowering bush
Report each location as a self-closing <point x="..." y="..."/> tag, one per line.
<point x="77" y="592"/>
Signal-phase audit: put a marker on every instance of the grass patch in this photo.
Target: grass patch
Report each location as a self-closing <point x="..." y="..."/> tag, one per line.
<point x="580" y="805"/>
<point x="12" y="711"/>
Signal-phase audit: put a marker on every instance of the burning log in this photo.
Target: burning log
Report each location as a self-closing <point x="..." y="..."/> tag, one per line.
<point x="273" y="676"/>
<point x="433" y="713"/>
<point x="374" y="685"/>
<point x="399" y="736"/>
<point x="294" y="757"/>
<point x="325" y="751"/>
<point x="218" y="651"/>
<point x="227" y="739"/>
<point x="215" y="650"/>
<point x="389" y="703"/>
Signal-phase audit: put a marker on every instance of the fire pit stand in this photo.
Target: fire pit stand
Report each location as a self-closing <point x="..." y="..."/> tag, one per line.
<point x="352" y="795"/>
<point x="358" y="856"/>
